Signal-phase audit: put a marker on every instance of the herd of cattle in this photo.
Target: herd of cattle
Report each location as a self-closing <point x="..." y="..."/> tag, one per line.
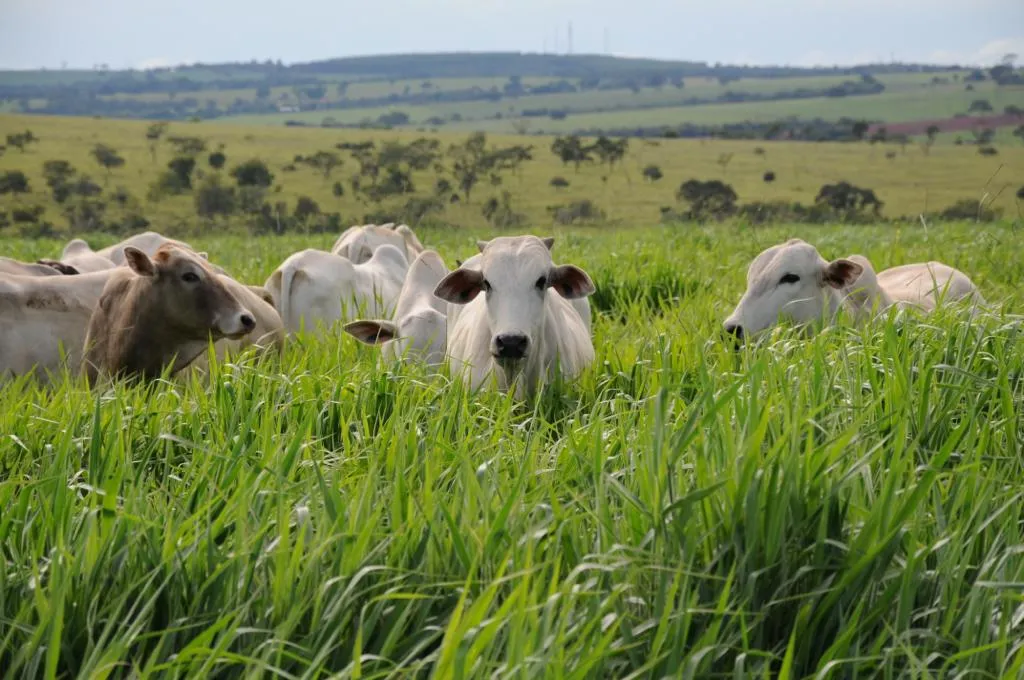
<point x="150" y="303"/>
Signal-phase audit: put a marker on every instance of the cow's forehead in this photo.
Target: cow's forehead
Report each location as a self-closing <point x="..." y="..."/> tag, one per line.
<point x="173" y="256"/>
<point x="793" y="255"/>
<point x="516" y="254"/>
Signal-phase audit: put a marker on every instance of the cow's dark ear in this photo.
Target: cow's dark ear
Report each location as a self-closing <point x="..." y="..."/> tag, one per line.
<point x="460" y="287"/>
<point x="570" y="281"/>
<point x="372" y="332"/>
<point x="139" y="261"/>
<point x="842" y="272"/>
<point x="65" y="269"/>
<point x="548" y="241"/>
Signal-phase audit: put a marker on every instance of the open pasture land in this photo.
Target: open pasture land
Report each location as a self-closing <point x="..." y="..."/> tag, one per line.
<point x="909" y="183"/>
<point x="847" y="505"/>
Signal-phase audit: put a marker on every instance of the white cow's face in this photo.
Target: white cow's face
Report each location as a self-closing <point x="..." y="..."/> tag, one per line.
<point x="514" y="273"/>
<point x="790" y="282"/>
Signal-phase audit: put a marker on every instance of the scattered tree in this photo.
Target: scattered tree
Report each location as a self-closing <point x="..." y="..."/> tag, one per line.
<point x="213" y="198"/>
<point x="187" y="146"/>
<point x="769" y="177"/>
<point x="712" y="198"/>
<point x="323" y="162"/>
<point x="559" y="182"/>
<point x="570" y="149"/>
<point x="253" y="173"/>
<point x="217" y="159"/>
<point x="20" y="140"/>
<point x="1019" y="133"/>
<point x="305" y="209"/>
<point x="988" y="151"/>
<point x="980" y="106"/>
<point x="153" y="134"/>
<point x="652" y="173"/>
<point x="847" y="200"/>
<point x="860" y="128"/>
<point x="14" y="182"/>
<point x="107" y="157"/>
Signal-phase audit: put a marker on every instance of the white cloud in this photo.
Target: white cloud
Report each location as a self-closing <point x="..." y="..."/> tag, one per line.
<point x="989" y="54"/>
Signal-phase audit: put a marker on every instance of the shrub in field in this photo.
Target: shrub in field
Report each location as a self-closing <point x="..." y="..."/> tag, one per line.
<point x="576" y="212"/>
<point x="499" y="212"/>
<point x="848" y="202"/>
<point x="213" y="198"/>
<point x="1020" y="193"/>
<point x="323" y="162"/>
<point x="182" y="168"/>
<point x="712" y="199"/>
<point x="417" y="208"/>
<point x="217" y="159"/>
<point x="770" y="212"/>
<point x="305" y="208"/>
<point x="769" y="177"/>
<point x="187" y="146"/>
<point x="107" y="157"/>
<point x="253" y="172"/>
<point x="28" y="215"/>
<point x="14" y="182"/>
<point x="988" y="151"/>
<point x="559" y="182"/>
<point x="20" y="140"/>
<point x="970" y="209"/>
<point x="652" y="173"/>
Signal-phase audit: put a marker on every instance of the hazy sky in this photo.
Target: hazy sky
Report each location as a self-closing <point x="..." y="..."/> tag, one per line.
<point x="139" y="33"/>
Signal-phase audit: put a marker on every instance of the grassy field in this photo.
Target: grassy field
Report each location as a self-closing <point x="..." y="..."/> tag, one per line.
<point x="905" y="98"/>
<point x="896" y="106"/>
<point x="909" y="183"/>
<point x="843" y="506"/>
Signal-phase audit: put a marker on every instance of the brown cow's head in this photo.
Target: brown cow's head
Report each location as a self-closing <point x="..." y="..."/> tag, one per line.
<point x="187" y="295"/>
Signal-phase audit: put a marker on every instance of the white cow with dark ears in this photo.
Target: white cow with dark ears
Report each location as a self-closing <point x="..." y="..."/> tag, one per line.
<point x="519" y="329"/>
<point x="793" y="282"/>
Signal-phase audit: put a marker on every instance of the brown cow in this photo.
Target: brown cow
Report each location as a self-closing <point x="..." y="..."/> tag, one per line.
<point x="160" y="311"/>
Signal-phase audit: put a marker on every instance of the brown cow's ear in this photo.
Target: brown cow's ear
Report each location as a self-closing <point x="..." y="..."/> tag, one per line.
<point x="842" y="272"/>
<point x="548" y="241"/>
<point x="372" y="332"/>
<point x="570" y="281"/>
<point x="139" y="261"/>
<point x="460" y="287"/>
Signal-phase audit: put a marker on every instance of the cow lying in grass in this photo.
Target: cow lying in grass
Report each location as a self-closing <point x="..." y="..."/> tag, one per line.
<point x="793" y="282"/>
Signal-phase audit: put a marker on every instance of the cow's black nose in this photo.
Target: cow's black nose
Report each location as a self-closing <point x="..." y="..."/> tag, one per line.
<point x="248" y="322"/>
<point x="734" y="329"/>
<point x="511" y="345"/>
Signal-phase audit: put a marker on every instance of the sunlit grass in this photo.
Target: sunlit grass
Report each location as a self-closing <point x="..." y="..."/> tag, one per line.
<point x="842" y="506"/>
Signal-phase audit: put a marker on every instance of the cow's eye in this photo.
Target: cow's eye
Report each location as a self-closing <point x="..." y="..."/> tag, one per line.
<point x="190" y="277"/>
<point x="542" y="283"/>
<point x="486" y="285"/>
<point x="789" y="278"/>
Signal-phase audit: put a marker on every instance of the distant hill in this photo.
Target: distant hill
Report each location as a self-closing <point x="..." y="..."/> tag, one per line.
<point x="508" y="91"/>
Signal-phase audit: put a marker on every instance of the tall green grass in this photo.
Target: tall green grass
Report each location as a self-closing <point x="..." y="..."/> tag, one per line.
<point x="848" y="505"/>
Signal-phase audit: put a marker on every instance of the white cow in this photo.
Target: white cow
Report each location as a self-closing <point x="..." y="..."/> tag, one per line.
<point x="519" y="330"/>
<point x="581" y="304"/>
<point x="148" y="242"/>
<point x="358" y="243"/>
<point x="793" y="282"/>
<point x="41" y="268"/>
<point x="418" y="328"/>
<point x="79" y="255"/>
<point x="315" y="288"/>
<point x="922" y="286"/>
<point x="43" y="317"/>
